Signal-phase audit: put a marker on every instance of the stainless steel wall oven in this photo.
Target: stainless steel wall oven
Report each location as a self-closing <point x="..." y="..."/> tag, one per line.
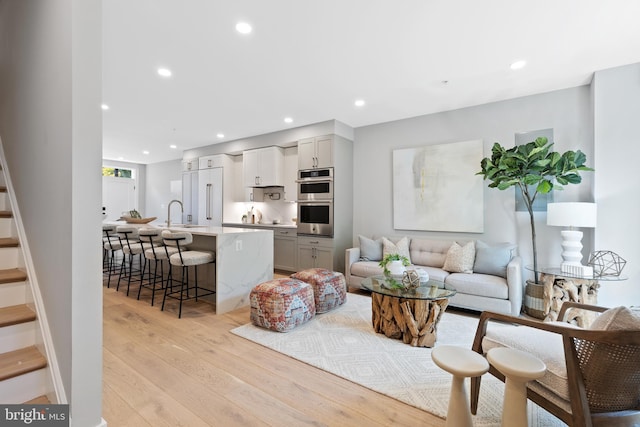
<point x="315" y="218"/>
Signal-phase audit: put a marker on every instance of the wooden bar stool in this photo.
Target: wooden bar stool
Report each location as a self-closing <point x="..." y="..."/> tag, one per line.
<point x="184" y="259"/>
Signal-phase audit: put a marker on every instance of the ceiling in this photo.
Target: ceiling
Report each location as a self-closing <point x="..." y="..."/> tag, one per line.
<point x="310" y="60"/>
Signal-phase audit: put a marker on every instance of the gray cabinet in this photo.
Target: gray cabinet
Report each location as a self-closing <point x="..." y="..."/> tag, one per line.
<point x="285" y="243"/>
<point x="315" y="252"/>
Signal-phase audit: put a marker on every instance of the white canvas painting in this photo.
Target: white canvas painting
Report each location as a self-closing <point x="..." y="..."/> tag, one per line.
<point x="435" y="188"/>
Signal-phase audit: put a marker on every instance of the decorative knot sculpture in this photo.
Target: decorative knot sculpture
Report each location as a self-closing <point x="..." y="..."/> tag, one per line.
<point x="410" y="279"/>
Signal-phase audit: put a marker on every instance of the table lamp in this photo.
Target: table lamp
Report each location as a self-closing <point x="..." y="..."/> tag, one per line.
<point x="571" y="215"/>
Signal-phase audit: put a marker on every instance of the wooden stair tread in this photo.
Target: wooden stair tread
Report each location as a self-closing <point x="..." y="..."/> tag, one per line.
<point x="3" y="189"/>
<point x="16" y="314"/>
<point x="6" y="214"/>
<point x="8" y="242"/>
<point x="20" y="362"/>
<point x="12" y="275"/>
<point x="40" y="400"/>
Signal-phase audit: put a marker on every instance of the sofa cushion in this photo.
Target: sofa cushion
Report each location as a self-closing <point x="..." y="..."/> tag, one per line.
<point x="365" y="269"/>
<point x="460" y="258"/>
<point x="493" y="259"/>
<point x="544" y="345"/>
<point x="479" y="284"/>
<point x="429" y="252"/>
<point x="370" y="250"/>
<point x="400" y="247"/>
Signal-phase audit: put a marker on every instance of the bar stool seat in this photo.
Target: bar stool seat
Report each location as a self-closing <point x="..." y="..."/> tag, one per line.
<point x="153" y="251"/>
<point x="184" y="258"/>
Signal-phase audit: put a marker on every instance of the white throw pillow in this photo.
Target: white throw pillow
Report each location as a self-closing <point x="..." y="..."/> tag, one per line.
<point x="401" y="247"/>
<point x="460" y="258"/>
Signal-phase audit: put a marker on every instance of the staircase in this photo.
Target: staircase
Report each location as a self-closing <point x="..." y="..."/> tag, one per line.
<point x="24" y="375"/>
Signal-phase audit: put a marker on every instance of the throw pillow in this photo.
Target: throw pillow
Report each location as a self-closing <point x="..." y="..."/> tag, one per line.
<point x="617" y="319"/>
<point x="401" y="247"/>
<point x="459" y="259"/>
<point x="370" y="250"/>
<point x="493" y="259"/>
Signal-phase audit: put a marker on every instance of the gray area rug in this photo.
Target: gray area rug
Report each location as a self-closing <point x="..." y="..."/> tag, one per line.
<point x="343" y="342"/>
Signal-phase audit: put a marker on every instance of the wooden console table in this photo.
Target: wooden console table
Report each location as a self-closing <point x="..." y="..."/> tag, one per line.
<point x="409" y="315"/>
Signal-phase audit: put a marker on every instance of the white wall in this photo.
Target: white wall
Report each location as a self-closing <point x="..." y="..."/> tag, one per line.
<point x="616" y="98"/>
<point x="567" y="112"/>
<point x="159" y="192"/>
<point x="50" y="124"/>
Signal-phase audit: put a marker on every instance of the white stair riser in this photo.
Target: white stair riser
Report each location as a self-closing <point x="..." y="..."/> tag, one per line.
<point x="17" y="336"/>
<point x="9" y="258"/>
<point x="22" y="388"/>
<point x="13" y="294"/>
<point x="5" y="227"/>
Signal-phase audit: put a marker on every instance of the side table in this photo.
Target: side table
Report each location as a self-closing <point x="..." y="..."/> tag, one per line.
<point x="518" y="368"/>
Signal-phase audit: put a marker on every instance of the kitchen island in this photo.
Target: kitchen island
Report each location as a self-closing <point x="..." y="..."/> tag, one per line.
<point x="244" y="258"/>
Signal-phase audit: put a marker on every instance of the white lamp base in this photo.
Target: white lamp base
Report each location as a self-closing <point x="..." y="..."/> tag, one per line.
<point x="571" y="250"/>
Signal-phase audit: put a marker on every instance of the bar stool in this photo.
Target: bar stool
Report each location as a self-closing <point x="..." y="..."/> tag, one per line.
<point x="111" y="244"/>
<point x="184" y="258"/>
<point x="461" y="363"/>
<point x="131" y="247"/>
<point x="154" y="251"/>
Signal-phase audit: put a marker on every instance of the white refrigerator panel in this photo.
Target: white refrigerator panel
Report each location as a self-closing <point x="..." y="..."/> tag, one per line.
<point x="210" y="197"/>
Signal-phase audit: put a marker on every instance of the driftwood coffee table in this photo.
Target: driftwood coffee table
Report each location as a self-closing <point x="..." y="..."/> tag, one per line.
<point x="409" y="315"/>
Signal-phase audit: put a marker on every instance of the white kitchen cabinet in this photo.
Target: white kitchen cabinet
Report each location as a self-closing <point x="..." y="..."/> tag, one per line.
<point x="315" y="152"/>
<point x="285" y="243"/>
<point x="210" y="197"/>
<point x="315" y="252"/>
<point x="208" y="162"/>
<point x="190" y="197"/>
<point x="263" y="167"/>
<point x="290" y="174"/>
<point x="190" y="165"/>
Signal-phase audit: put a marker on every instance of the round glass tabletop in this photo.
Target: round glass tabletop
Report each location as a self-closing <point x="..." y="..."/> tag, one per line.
<point x="431" y="290"/>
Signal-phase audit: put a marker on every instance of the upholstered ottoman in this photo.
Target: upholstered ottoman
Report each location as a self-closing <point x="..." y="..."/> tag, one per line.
<point x="329" y="287"/>
<point x="282" y="304"/>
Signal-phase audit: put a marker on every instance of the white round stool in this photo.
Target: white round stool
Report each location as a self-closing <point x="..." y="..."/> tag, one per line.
<point x="461" y="363"/>
<point x="518" y="368"/>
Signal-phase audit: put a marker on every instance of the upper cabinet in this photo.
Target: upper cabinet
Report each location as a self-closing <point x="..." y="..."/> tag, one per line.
<point x="263" y="167"/>
<point x="209" y="162"/>
<point x="190" y="165"/>
<point x="315" y="152"/>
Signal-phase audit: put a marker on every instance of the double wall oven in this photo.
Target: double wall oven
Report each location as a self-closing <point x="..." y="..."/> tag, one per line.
<point x="315" y="202"/>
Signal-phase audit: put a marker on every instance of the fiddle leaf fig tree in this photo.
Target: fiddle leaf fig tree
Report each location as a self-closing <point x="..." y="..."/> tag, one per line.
<point x="535" y="169"/>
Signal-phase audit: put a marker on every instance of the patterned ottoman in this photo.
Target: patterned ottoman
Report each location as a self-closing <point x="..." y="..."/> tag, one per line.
<point x="282" y="304"/>
<point x="329" y="287"/>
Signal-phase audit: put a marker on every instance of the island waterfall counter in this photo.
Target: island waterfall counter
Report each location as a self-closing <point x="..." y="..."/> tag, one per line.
<point x="244" y="258"/>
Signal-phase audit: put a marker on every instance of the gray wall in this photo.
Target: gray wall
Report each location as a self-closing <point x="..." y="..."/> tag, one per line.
<point x="567" y="111"/>
<point x="158" y="190"/>
<point x="616" y="100"/>
<point x="50" y="125"/>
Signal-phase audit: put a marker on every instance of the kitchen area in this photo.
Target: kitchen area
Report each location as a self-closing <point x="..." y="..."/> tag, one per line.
<point x="296" y="186"/>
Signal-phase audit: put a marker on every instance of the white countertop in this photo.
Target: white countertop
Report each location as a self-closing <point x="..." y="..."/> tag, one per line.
<point x="241" y="224"/>
<point x="198" y="230"/>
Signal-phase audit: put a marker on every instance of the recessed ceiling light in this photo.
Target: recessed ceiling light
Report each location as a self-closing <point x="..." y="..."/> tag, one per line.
<point x="105" y="107"/>
<point x="288" y="120"/>
<point x="518" y="65"/>
<point x="164" y="72"/>
<point x="359" y="103"/>
<point x="220" y="135"/>
<point x="243" y="28"/>
<point x="145" y="152"/>
<point x="173" y="146"/>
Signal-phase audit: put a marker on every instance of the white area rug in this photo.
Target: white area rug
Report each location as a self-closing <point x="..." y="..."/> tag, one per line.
<point x="343" y="342"/>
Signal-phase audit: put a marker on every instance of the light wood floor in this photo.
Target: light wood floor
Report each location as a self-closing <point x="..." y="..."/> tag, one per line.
<point x="163" y="371"/>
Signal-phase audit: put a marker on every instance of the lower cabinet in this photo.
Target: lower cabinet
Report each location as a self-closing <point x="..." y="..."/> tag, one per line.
<point x="315" y="252"/>
<point x="285" y="243"/>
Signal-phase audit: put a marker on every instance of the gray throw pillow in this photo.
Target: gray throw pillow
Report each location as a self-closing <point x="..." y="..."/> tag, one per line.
<point x="493" y="259"/>
<point x="370" y="250"/>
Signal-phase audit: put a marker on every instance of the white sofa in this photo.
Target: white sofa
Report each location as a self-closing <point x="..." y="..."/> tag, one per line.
<point x="475" y="291"/>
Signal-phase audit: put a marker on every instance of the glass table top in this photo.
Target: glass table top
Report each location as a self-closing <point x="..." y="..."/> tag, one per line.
<point x="556" y="271"/>
<point x="431" y="290"/>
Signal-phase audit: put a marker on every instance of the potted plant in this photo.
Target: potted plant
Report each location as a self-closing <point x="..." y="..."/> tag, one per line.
<point x="535" y="169"/>
<point x="393" y="264"/>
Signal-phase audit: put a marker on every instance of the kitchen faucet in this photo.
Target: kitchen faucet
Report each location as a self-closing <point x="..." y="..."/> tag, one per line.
<point x="169" y="211"/>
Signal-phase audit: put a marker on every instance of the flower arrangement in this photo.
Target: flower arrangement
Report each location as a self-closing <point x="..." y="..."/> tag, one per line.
<point x="389" y="258"/>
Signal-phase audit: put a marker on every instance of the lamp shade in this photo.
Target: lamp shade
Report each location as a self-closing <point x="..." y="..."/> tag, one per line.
<point x="573" y="214"/>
